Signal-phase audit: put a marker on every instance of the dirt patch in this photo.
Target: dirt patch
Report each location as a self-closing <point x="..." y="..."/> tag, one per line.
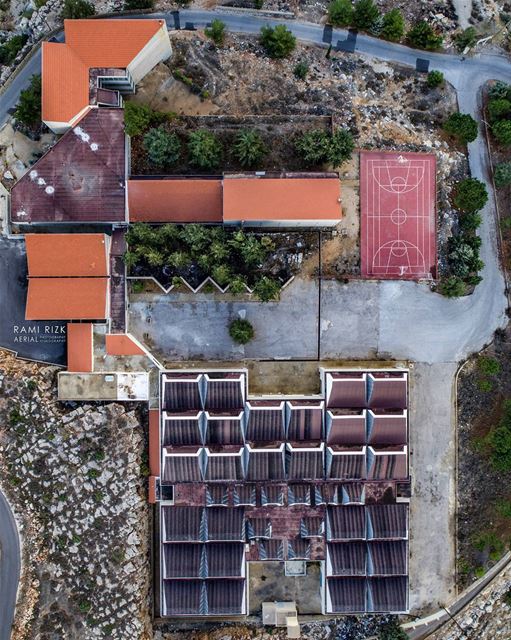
<point x="484" y="531"/>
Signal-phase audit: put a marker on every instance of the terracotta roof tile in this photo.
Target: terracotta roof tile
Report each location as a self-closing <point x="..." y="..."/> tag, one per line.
<point x="79" y="347"/>
<point x="67" y="254"/>
<point x="67" y="299"/>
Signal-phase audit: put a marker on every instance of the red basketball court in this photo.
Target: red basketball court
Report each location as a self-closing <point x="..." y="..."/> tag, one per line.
<point x="398" y="226"/>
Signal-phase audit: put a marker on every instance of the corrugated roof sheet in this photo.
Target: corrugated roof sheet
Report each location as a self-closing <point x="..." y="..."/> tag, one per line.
<point x="388" y="520"/>
<point x="224" y="431"/>
<point x="224" y="559"/>
<point x="175" y="200"/>
<point x="346" y="430"/>
<point x="182" y="432"/>
<point x="348" y="558"/>
<point x="226" y="523"/>
<point x="79" y="347"/>
<point x="184" y="597"/>
<point x="387" y="428"/>
<point x="346" y="390"/>
<point x="67" y="254"/>
<point x="181" y="393"/>
<point x="305" y="423"/>
<point x="224" y="467"/>
<point x="182" y="560"/>
<point x="388" y="557"/>
<point x="225" y="597"/>
<point x="265" y="425"/>
<point x="387" y="391"/>
<point x="181" y="468"/>
<point x="222" y="394"/>
<point x="67" y="299"/>
<point x="182" y="523"/>
<point x="388" y="594"/>
<point x="80" y="179"/>
<point x="305" y="465"/>
<point x="347" y="594"/>
<point x="265" y="465"/>
<point x="346" y="522"/>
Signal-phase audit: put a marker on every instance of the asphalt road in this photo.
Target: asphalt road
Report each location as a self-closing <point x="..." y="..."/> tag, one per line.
<point x="9" y="567"/>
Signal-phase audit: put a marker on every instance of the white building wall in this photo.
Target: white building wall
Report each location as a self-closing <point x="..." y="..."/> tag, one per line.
<point x="156" y="50"/>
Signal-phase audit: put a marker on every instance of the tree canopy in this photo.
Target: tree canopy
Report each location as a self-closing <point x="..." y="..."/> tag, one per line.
<point x="216" y="32"/>
<point x="340" y="13"/>
<point x="163" y="148"/>
<point x="393" y="25"/>
<point x="462" y="126"/>
<point x="75" y="9"/>
<point x="249" y="148"/>
<point x="278" y="41"/>
<point x="471" y="195"/>
<point x="423" y="36"/>
<point x="28" y="109"/>
<point x="204" y="149"/>
<point x="365" y="15"/>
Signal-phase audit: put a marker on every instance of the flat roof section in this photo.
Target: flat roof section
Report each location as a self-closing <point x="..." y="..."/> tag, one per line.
<point x="175" y="200"/>
<point x="67" y="254"/>
<point x="67" y="299"/>
<point x="281" y="199"/>
<point x="398" y="217"/>
<point x="121" y="344"/>
<point x="79" y="347"/>
<point x="80" y="179"/>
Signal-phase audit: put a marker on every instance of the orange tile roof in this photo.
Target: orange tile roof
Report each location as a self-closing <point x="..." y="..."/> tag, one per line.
<point x="121" y="344"/>
<point x="67" y="254"/>
<point x="89" y="43"/>
<point x="67" y="299"/>
<point x="79" y="347"/>
<point x="282" y="199"/>
<point x="175" y="200"/>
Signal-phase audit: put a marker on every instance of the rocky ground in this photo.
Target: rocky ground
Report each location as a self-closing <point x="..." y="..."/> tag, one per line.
<point x="481" y="489"/>
<point x="75" y="477"/>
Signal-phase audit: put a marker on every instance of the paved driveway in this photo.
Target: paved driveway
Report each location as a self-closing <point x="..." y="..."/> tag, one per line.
<point x="9" y="567"/>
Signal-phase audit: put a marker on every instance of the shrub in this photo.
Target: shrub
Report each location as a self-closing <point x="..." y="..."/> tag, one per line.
<point x="137" y="286"/>
<point x="137" y="118"/>
<point x="28" y="109"/>
<point x="340" y="147"/>
<point x="205" y="150"/>
<point x="462" y="126"/>
<point x="484" y="385"/>
<point x="470" y="221"/>
<point x="249" y="149"/>
<point x="471" y="195"/>
<point x="163" y="148"/>
<point x="422" y="36"/>
<point x="138" y="4"/>
<point x="500" y="441"/>
<point x="466" y="38"/>
<point x="502" y="175"/>
<point x="216" y="32"/>
<point x="340" y="13"/>
<point x="488" y="366"/>
<point x="502" y="132"/>
<point x="266" y="289"/>
<point x="393" y="25"/>
<point x="453" y="287"/>
<point x="10" y="49"/>
<point x="241" y="331"/>
<point x="278" y="41"/>
<point x="499" y="90"/>
<point x="435" y="79"/>
<point x="390" y="630"/>
<point x="498" y="109"/>
<point x="312" y="146"/>
<point x="75" y="9"/>
<point x="301" y="70"/>
<point x="237" y="286"/>
<point x="365" y="15"/>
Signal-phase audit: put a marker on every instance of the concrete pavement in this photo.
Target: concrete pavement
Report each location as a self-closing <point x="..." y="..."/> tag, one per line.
<point x="9" y="567"/>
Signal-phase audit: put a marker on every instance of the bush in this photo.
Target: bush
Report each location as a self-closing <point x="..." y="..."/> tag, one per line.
<point x="488" y="366"/>
<point x="471" y="195"/>
<point x="137" y="118"/>
<point x="502" y="175"/>
<point x="340" y="147"/>
<point x="500" y="441"/>
<point x="484" y="385"/>
<point x="301" y="70"/>
<point x="422" y="36"/>
<point x="249" y="148"/>
<point x="504" y="508"/>
<point x="10" y="49"/>
<point x="76" y="9"/>
<point x="28" y="109"/>
<point x="393" y="25"/>
<point x="499" y="90"/>
<point x="466" y="38"/>
<point x="453" y="287"/>
<point x="502" y="132"/>
<point x="278" y="41"/>
<point x="464" y="255"/>
<point x="470" y="221"/>
<point x="499" y="109"/>
<point x="435" y="79"/>
<point x="462" y="126"/>
<point x="138" y="4"/>
<point x="163" y="148"/>
<point x="365" y="15"/>
<point x="267" y="289"/>
<point x="241" y="331"/>
<point x="205" y="150"/>
<point x="318" y="146"/>
<point x="391" y="630"/>
<point x="340" y="13"/>
<point x="216" y="32"/>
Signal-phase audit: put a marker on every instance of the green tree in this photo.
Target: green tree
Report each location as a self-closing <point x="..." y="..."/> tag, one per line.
<point x="422" y="36"/>
<point x="179" y="260"/>
<point x="470" y="221"/>
<point x="237" y="285"/>
<point x="75" y="9"/>
<point x="365" y="15"/>
<point x="301" y="70"/>
<point x="216" y="32"/>
<point x="252" y="251"/>
<point x="500" y="441"/>
<point x="393" y="25"/>
<point x="498" y="109"/>
<point x="390" y="630"/>
<point x="471" y="195"/>
<point x="278" y="41"/>
<point x="221" y="274"/>
<point x="163" y="148"/>
<point x="131" y="5"/>
<point x="313" y="146"/>
<point x="340" y="147"/>
<point x="462" y="126"/>
<point x="435" y="79"/>
<point x="453" y="287"/>
<point x="204" y="149"/>
<point x="249" y="148"/>
<point x="340" y="13"/>
<point x="241" y="331"/>
<point x="28" y="109"/>
<point x="10" y="49"/>
<point x="502" y="175"/>
<point x="502" y="132"/>
<point x="488" y="366"/>
<point x="267" y="289"/>
<point x="499" y="90"/>
<point x="196" y="237"/>
<point x="466" y="38"/>
<point x="137" y="118"/>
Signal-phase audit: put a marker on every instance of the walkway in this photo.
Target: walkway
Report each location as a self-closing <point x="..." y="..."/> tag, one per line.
<point x="9" y="567"/>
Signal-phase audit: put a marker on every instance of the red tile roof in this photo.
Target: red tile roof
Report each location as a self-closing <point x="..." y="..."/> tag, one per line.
<point x="67" y="254"/>
<point x="67" y="299"/>
<point x="121" y="344"/>
<point x="79" y="347"/>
